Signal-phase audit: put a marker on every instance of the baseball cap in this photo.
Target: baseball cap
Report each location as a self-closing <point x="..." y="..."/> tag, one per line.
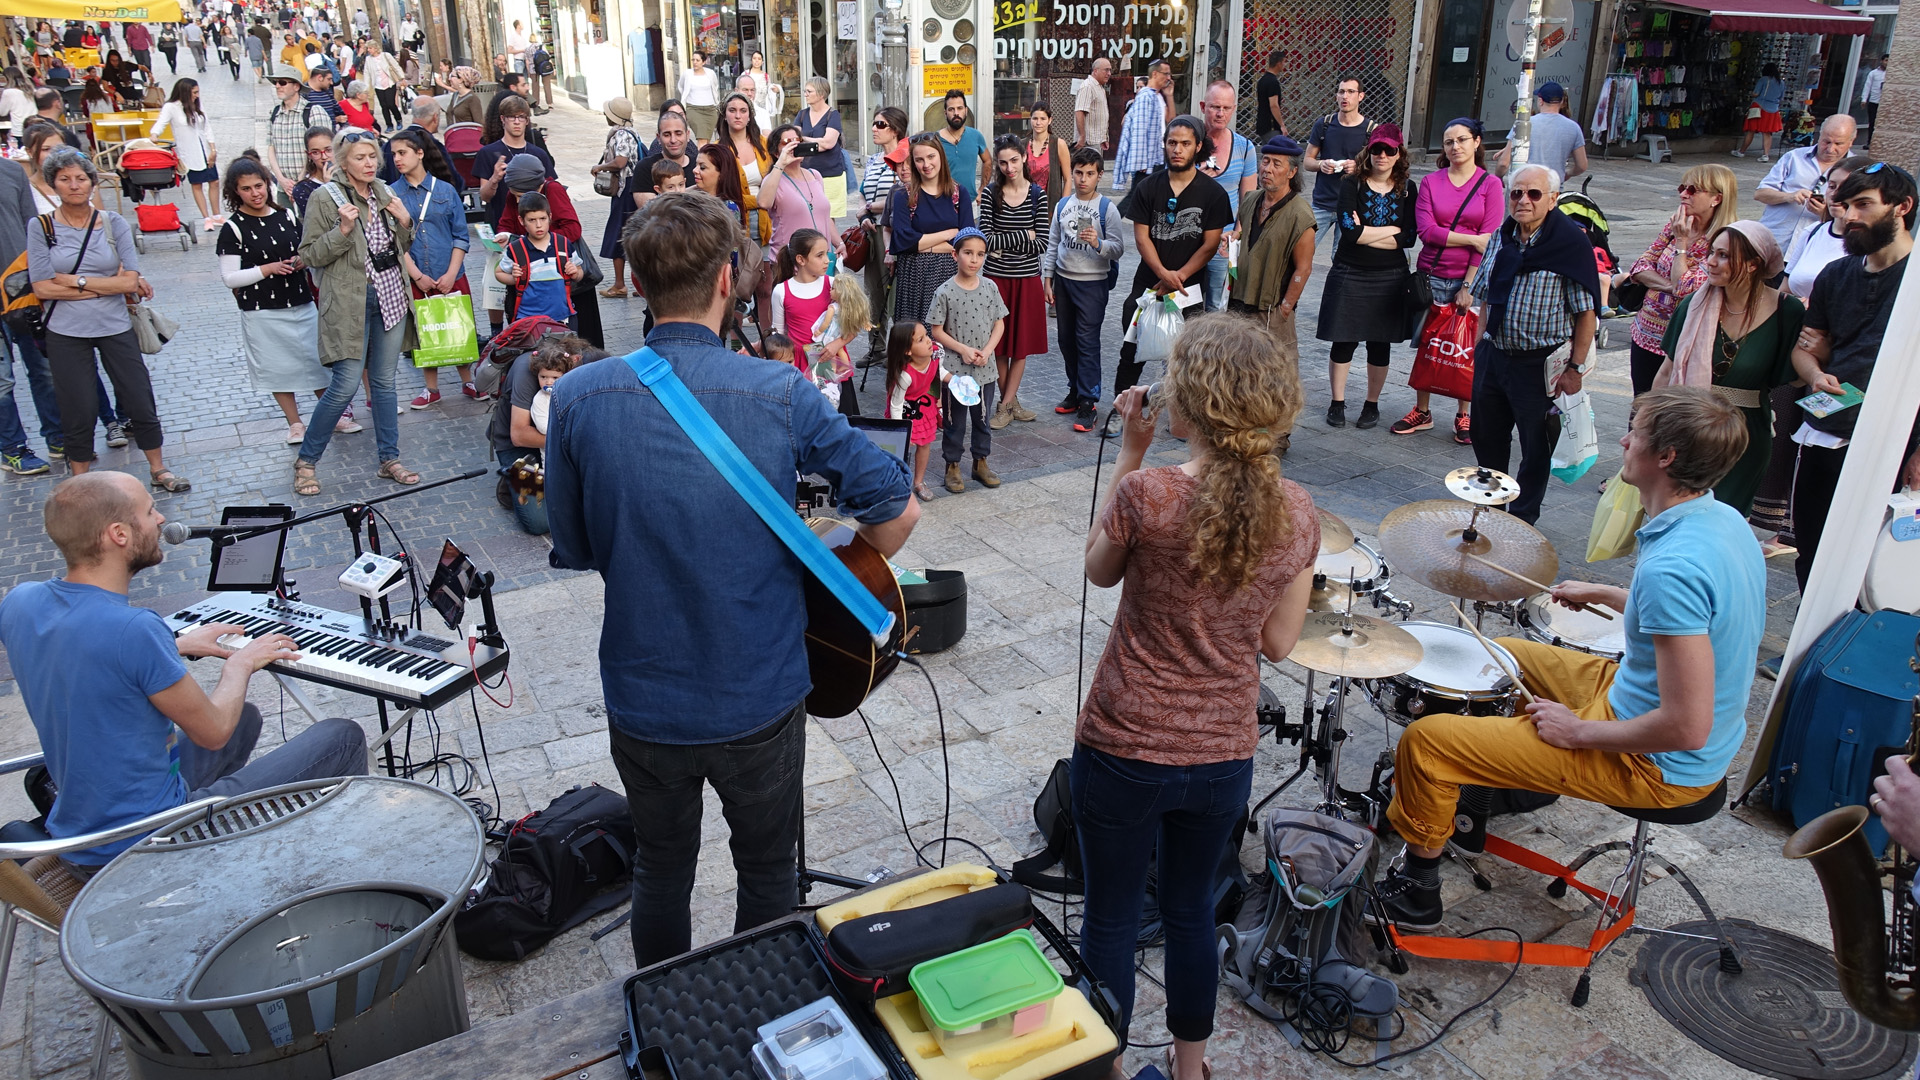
<point x="1551" y="91"/>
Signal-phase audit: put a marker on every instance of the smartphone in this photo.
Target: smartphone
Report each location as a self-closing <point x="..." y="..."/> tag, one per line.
<point x="806" y="148"/>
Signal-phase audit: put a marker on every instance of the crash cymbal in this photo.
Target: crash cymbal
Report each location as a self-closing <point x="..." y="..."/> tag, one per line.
<point x="1357" y="646"/>
<point x="1428" y="542"/>
<point x="1483" y="486"/>
<point x="1333" y="596"/>
<point x="1335" y="535"/>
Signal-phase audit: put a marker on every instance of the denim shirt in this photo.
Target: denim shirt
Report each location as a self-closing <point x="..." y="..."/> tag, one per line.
<point x="437" y="231"/>
<point x="702" y="641"/>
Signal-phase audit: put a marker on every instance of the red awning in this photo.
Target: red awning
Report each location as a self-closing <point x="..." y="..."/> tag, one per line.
<point x="1774" y="16"/>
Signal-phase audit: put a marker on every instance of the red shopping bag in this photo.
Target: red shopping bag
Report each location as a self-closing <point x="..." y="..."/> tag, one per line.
<point x="1444" y="364"/>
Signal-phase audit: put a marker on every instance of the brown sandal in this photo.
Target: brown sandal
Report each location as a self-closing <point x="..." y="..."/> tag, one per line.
<point x="304" y="481"/>
<point x="398" y="473"/>
<point x="165" y="480"/>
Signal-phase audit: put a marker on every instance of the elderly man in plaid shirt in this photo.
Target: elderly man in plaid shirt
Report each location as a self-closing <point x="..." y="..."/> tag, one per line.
<point x="287" y="128"/>
<point x="1535" y="295"/>
<point x="1145" y="126"/>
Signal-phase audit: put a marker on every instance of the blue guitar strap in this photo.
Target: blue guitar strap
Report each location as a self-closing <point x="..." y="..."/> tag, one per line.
<point x="657" y="375"/>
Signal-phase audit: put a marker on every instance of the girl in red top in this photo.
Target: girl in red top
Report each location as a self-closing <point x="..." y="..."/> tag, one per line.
<point x="1217" y="559"/>
<point x="912" y="372"/>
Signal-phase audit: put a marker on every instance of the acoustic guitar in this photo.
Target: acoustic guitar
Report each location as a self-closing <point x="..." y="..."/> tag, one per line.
<point x="845" y="664"/>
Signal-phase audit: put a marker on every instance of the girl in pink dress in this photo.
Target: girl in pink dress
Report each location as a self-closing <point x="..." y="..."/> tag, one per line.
<point x="912" y="371"/>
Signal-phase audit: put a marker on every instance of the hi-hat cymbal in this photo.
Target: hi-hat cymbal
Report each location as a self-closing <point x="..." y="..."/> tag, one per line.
<point x="1335" y="535"/>
<point x="1426" y="541"/>
<point x="1357" y="646"/>
<point x="1483" y="486"/>
<point x="1333" y="596"/>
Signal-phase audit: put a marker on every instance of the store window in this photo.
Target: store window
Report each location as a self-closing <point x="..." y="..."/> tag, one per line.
<point x="1041" y="49"/>
<point x="716" y="32"/>
<point x="845" y="30"/>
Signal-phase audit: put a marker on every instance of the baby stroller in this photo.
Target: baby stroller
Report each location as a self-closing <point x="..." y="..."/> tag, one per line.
<point x="1587" y="214"/>
<point x="463" y="145"/>
<point x="153" y="168"/>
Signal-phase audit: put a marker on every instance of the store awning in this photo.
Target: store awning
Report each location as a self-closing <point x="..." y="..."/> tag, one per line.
<point x="148" y="11"/>
<point x="1766" y="16"/>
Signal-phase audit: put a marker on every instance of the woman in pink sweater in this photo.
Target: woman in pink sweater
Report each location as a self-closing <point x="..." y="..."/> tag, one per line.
<point x="1455" y="211"/>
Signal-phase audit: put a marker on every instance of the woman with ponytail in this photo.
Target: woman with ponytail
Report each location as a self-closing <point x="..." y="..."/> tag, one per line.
<point x="1217" y="559"/>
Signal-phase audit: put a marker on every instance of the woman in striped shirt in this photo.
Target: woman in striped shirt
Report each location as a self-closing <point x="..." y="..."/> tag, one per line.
<point x="1013" y="214"/>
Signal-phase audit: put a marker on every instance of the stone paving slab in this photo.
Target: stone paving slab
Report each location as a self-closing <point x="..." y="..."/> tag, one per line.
<point x="1007" y="692"/>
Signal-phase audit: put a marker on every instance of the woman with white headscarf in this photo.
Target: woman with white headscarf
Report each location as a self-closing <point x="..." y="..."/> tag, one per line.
<point x="1735" y="336"/>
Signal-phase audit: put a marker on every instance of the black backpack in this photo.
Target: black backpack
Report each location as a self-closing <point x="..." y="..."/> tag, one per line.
<point x="557" y="869"/>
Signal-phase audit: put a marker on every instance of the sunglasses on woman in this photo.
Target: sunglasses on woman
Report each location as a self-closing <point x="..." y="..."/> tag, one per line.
<point x="1383" y="150"/>
<point x="1688" y="191"/>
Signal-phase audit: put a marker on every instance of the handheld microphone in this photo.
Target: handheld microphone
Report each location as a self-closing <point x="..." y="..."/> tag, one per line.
<point x="178" y="532"/>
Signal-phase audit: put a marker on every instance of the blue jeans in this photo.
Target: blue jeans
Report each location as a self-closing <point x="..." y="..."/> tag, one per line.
<point x="1121" y="808"/>
<point x="40" y="382"/>
<point x="1217" y="278"/>
<point x="532" y="514"/>
<point x="1322" y="223"/>
<point x="1081" y="308"/>
<point x="380" y="358"/>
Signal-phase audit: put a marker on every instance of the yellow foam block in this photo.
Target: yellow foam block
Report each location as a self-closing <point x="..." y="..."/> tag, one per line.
<point x="927" y="888"/>
<point x="1074" y="1035"/>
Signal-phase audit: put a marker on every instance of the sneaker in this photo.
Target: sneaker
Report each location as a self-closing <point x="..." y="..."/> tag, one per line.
<point x="1415" y="420"/>
<point x="347" y="425"/>
<point x="427" y="399"/>
<point x="1463" y="430"/>
<point x="1068" y="405"/>
<point x="1739" y="153"/>
<point x="1770" y="669"/>
<point x="1764" y="158"/>
<point x="1412" y="907"/>
<point x="1337" y="414"/>
<point x="116" y="434"/>
<point x="954" y="483"/>
<point x="23" y="463"/>
<point x="1085" y="417"/>
<point x="1111" y="429"/>
<point x="471" y="391"/>
<point x="984" y="473"/>
<point x="1369" y="416"/>
<point x="56" y="453"/>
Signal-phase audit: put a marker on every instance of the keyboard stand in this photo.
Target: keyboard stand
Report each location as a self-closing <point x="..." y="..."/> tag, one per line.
<point x="292" y="689"/>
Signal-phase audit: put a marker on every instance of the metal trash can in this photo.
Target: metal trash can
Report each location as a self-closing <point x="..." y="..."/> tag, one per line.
<point x="301" y="932"/>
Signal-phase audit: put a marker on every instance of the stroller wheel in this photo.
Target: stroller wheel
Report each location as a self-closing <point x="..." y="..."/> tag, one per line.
<point x="183" y="242"/>
<point x="140" y="244"/>
<point x="190" y="235"/>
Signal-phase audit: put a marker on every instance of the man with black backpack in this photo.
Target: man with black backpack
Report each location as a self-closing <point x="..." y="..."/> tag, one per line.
<point x="540" y="63"/>
<point x="1334" y="145"/>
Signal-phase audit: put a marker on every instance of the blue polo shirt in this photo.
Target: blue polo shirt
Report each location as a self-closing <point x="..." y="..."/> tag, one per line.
<point x="692" y="576"/>
<point x="1700" y="572"/>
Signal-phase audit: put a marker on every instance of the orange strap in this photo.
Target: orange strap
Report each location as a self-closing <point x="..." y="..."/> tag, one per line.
<point x="1507" y="952"/>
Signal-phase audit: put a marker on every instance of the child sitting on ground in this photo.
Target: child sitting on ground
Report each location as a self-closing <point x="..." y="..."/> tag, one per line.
<point x="537" y="267"/>
<point x="912" y="371"/>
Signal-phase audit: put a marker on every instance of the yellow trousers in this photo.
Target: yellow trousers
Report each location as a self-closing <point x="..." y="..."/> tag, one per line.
<point x="1439" y="753"/>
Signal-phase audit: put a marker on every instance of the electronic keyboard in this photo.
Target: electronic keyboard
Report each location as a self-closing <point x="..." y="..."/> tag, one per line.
<point x="348" y="652"/>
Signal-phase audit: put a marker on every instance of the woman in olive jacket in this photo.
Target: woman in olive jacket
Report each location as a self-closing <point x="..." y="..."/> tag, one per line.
<point x="354" y="232"/>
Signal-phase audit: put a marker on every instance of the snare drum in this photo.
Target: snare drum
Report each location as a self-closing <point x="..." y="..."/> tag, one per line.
<point x="1361" y="563"/>
<point x="1455" y="675"/>
<point x="1548" y="622"/>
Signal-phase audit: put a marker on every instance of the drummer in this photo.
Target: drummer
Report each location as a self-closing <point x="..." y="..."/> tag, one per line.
<point x="127" y="732"/>
<point x="1697" y="606"/>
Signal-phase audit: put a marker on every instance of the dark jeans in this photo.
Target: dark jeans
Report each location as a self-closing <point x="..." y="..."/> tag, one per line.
<point x="758" y="780"/>
<point x="1081" y="308"/>
<point x="77" y="386"/>
<point x="1509" y="395"/>
<point x="389" y="105"/>
<point x="1642" y="365"/>
<point x="13" y="433"/>
<point x="955" y="418"/>
<point x="532" y="514"/>
<point x="1873" y="118"/>
<point x="1814" y="481"/>
<point x="1124" y="808"/>
<point x="1128" y="371"/>
<point x="173" y="59"/>
<point x="145" y="58"/>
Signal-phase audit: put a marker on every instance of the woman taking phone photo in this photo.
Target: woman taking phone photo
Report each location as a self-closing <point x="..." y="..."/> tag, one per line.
<point x="1215" y="558"/>
<point x="259" y="250"/>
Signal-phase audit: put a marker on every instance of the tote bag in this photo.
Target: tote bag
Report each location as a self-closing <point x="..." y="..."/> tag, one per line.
<point x="446" y="331"/>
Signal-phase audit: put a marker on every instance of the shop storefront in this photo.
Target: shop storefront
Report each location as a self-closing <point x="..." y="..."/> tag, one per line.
<point x="1325" y="40"/>
<point x="1476" y="61"/>
<point x="1043" y="49"/>
<point x="1848" y="65"/>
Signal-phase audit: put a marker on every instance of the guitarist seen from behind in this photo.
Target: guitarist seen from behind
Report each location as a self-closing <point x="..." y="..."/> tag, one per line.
<point x="702" y="658"/>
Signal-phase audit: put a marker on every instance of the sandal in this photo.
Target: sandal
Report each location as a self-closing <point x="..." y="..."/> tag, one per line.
<point x="922" y="492"/>
<point x="165" y="480"/>
<point x="1206" y="1067"/>
<point x="304" y="482"/>
<point x="614" y="292"/>
<point x="398" y="473"/>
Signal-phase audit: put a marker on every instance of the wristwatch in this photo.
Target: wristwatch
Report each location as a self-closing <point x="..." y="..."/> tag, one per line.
<point x="80" y="283"/>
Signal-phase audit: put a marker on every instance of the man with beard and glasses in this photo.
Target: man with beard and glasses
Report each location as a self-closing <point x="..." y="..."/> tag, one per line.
<point x="1846" y="320"/>
<point x="106" y="689"/>
<point x="1178" y="214"/>
<point x="966" y="148"/>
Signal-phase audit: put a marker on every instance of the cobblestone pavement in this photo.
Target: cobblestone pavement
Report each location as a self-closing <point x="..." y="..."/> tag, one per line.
<point x="1007" y="691"/>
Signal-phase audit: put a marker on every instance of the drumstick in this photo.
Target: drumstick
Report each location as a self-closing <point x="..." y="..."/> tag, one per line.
<point x="1520" y="577"/>
<point x="1491" y="651"/>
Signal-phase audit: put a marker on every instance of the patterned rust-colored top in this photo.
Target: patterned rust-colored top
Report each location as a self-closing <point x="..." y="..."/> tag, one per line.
<point x="1180" y="677"/>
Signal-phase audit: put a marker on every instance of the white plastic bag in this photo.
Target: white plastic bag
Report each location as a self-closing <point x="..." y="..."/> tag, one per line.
<point x="1579" y="444"/>
<point x="1158" y="322"/>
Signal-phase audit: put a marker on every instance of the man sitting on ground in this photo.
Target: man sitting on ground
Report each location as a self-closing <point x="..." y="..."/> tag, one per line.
<point x="1656" y="729"/>
<point x="105" y="687"/>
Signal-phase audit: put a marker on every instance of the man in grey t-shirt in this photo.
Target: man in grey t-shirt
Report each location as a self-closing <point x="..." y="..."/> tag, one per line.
<point x="1555" y="139"/>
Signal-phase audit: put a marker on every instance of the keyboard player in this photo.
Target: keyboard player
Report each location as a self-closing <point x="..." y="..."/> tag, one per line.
<point x="125" y="730"/>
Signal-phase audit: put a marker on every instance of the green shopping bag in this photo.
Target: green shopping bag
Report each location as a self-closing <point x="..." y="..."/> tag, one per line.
<point x="444" y="325"/>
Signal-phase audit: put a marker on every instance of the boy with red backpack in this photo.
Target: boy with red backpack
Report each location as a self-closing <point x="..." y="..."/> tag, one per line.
<point x="538" y="267"/>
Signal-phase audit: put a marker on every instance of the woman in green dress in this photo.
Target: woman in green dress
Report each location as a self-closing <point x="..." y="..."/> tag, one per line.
<point x="1735" y="335"/>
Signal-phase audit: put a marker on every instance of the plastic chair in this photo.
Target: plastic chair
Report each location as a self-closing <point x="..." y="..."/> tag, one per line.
<point x="39" y="892"/>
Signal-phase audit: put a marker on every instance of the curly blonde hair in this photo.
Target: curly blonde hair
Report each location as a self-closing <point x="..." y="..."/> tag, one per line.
<point x="1228" y="380"/>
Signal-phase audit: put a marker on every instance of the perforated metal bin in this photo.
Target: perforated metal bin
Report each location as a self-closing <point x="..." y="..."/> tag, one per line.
<point x="303" y="932"/>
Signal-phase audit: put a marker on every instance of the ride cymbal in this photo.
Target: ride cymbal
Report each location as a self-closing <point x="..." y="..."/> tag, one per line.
<point x="1428" y="542"/>
<point x="1357" y="646"/>
<point x="1483" y="486"/>
<point x="1335" y="535"/>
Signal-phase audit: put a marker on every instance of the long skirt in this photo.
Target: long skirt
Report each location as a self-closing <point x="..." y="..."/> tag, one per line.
<point x="1026" y="301"/>
<point x="617" y="215"/>
<point x="916" y="275"/>
<point x="1772" y="502"/>
<point x="283" y="349"/>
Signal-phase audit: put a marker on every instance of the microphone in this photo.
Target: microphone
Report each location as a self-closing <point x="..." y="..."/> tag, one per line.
<point x="177" y="532"/>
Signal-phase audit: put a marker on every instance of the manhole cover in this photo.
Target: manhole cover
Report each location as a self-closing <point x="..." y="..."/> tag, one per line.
<point x="1783" y="1016"/>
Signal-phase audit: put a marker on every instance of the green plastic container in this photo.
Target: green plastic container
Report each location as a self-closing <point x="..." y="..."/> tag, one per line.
<point x="997" y="990"/>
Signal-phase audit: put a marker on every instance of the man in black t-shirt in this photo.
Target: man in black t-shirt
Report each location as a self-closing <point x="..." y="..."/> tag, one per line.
<point x="1335" y="144"/>
<point x="673" y="136"/>
<point x="1178" y="213"/>
<point x="1846" y="322"/>
<point x="1266" y="99"/>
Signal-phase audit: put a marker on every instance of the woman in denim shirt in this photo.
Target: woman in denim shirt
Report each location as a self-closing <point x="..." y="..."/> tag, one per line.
<point x="436" y="262"/>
